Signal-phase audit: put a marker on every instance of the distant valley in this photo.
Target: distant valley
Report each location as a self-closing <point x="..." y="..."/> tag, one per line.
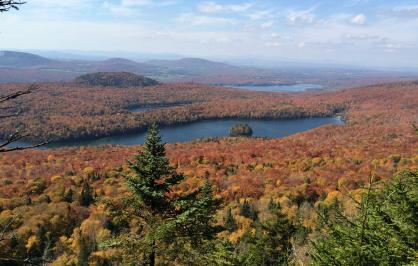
<point x="26" y="67"/>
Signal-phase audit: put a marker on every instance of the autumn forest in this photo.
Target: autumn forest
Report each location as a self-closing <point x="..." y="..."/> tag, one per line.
<point x="343" y="194"/>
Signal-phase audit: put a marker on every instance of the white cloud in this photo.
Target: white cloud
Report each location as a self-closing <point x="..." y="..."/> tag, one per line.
<point x="301" y="17"/>
<point x="359" y="19"/>
<point x="119" y="10"/>
<point x="135" y="3"/>
<point x="217" y="27"/>
<point x="263" y="14"/>
<point x="273" y="44"/>
<point x="212" y="7"/>
<point x="131" y="7"/>
<point x="363" y="37"/>
<point x="59" y="4"/>
<point x="198" y="20"/>
<point x="404" y="11"/>
<point x="267" y="25"/>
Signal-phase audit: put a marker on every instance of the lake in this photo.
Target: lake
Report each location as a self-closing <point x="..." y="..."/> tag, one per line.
<point x="210" y="128"/>
<point x="278" y="88"/>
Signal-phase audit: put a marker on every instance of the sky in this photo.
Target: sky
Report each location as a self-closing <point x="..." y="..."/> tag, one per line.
<point x="356" y="32"/>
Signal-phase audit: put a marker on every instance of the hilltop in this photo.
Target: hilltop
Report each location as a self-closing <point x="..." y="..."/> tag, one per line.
<point x="17" y="60"/>
<point x="115" y="79"/>
<point x="195" y="66"/>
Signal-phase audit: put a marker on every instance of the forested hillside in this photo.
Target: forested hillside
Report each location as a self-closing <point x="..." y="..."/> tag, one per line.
<point x="55" y="202"/>
<point x="115" y="79"/>
<point x="65" y="112"/>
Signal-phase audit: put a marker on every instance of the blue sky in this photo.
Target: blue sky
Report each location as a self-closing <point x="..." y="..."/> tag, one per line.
<point x="361" y="32"/>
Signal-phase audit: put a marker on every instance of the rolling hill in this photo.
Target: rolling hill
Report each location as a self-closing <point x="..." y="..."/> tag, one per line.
<point x="26" y="67"/>
<point x="18" y="60"/>
<point x="115" y="79"/>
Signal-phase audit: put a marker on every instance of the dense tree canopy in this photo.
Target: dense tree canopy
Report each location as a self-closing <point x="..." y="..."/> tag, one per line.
<point x="106" y="111"/>
<point x="241" y="130"/>
<point x="43" y="212"/>
<point x="115" y="79"/>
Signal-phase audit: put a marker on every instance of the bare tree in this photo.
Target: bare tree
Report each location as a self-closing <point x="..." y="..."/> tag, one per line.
<point x="8" y="112"/>
<point x="6" y="5"/>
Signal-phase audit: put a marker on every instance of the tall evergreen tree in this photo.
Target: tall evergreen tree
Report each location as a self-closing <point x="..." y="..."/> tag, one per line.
<point x="383" y="232"/>
<point x="229" y="221"/>
<point x="223" y="254"/>
<point x="248" y="210"/>
<point x="86" y="196"/>
<point x="68" y="195"/>
<point x="271" y="245"/>
<point x="169" y="224"/>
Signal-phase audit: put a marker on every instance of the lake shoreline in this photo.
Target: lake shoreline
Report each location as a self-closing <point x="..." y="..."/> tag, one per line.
<point x="279" y="88"/>
<point x="138" y="132"/>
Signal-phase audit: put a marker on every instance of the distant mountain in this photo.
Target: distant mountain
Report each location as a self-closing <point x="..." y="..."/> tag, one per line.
<point x="20" y="60"/>
<point x="121" y="61"/>
<point x="194" y="66"/>
<point x="115" y="79"/>
<point x="26" y="67"/>
<point x="122" y="65"/>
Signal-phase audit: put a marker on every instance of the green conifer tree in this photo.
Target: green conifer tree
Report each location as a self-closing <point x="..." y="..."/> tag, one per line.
<point x="68" y="195"/>
<point x="248" y="210"/>
<point x="223" y="254"/>
<point x="271" y="245"/>
<point x="383" y="232"/>
<point x="229" y="221"/>
<point x="170" y="224"/>
<point x="86" y="196"/>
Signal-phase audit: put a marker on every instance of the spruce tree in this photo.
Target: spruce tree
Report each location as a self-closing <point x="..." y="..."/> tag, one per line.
<point x="249" y="211"/>
<point x="86" y="196"/>
<point x="68" y="195"/>
<point x="229" y="221"/>
<point x="170" y="223"/>
<point x="383" y="232"/>
<point x="245" y="209"/>
<point x="223" y="254"/>
<point x="271" y="245"/>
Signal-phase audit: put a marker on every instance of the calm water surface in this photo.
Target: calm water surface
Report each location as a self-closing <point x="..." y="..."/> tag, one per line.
<point x="210" y="128"/>
<point x="280" y="88"/>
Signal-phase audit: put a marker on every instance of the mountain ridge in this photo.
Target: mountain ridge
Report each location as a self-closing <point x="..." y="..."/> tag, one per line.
<point x="19" y="59"/>
<point x="24" y="67"/>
